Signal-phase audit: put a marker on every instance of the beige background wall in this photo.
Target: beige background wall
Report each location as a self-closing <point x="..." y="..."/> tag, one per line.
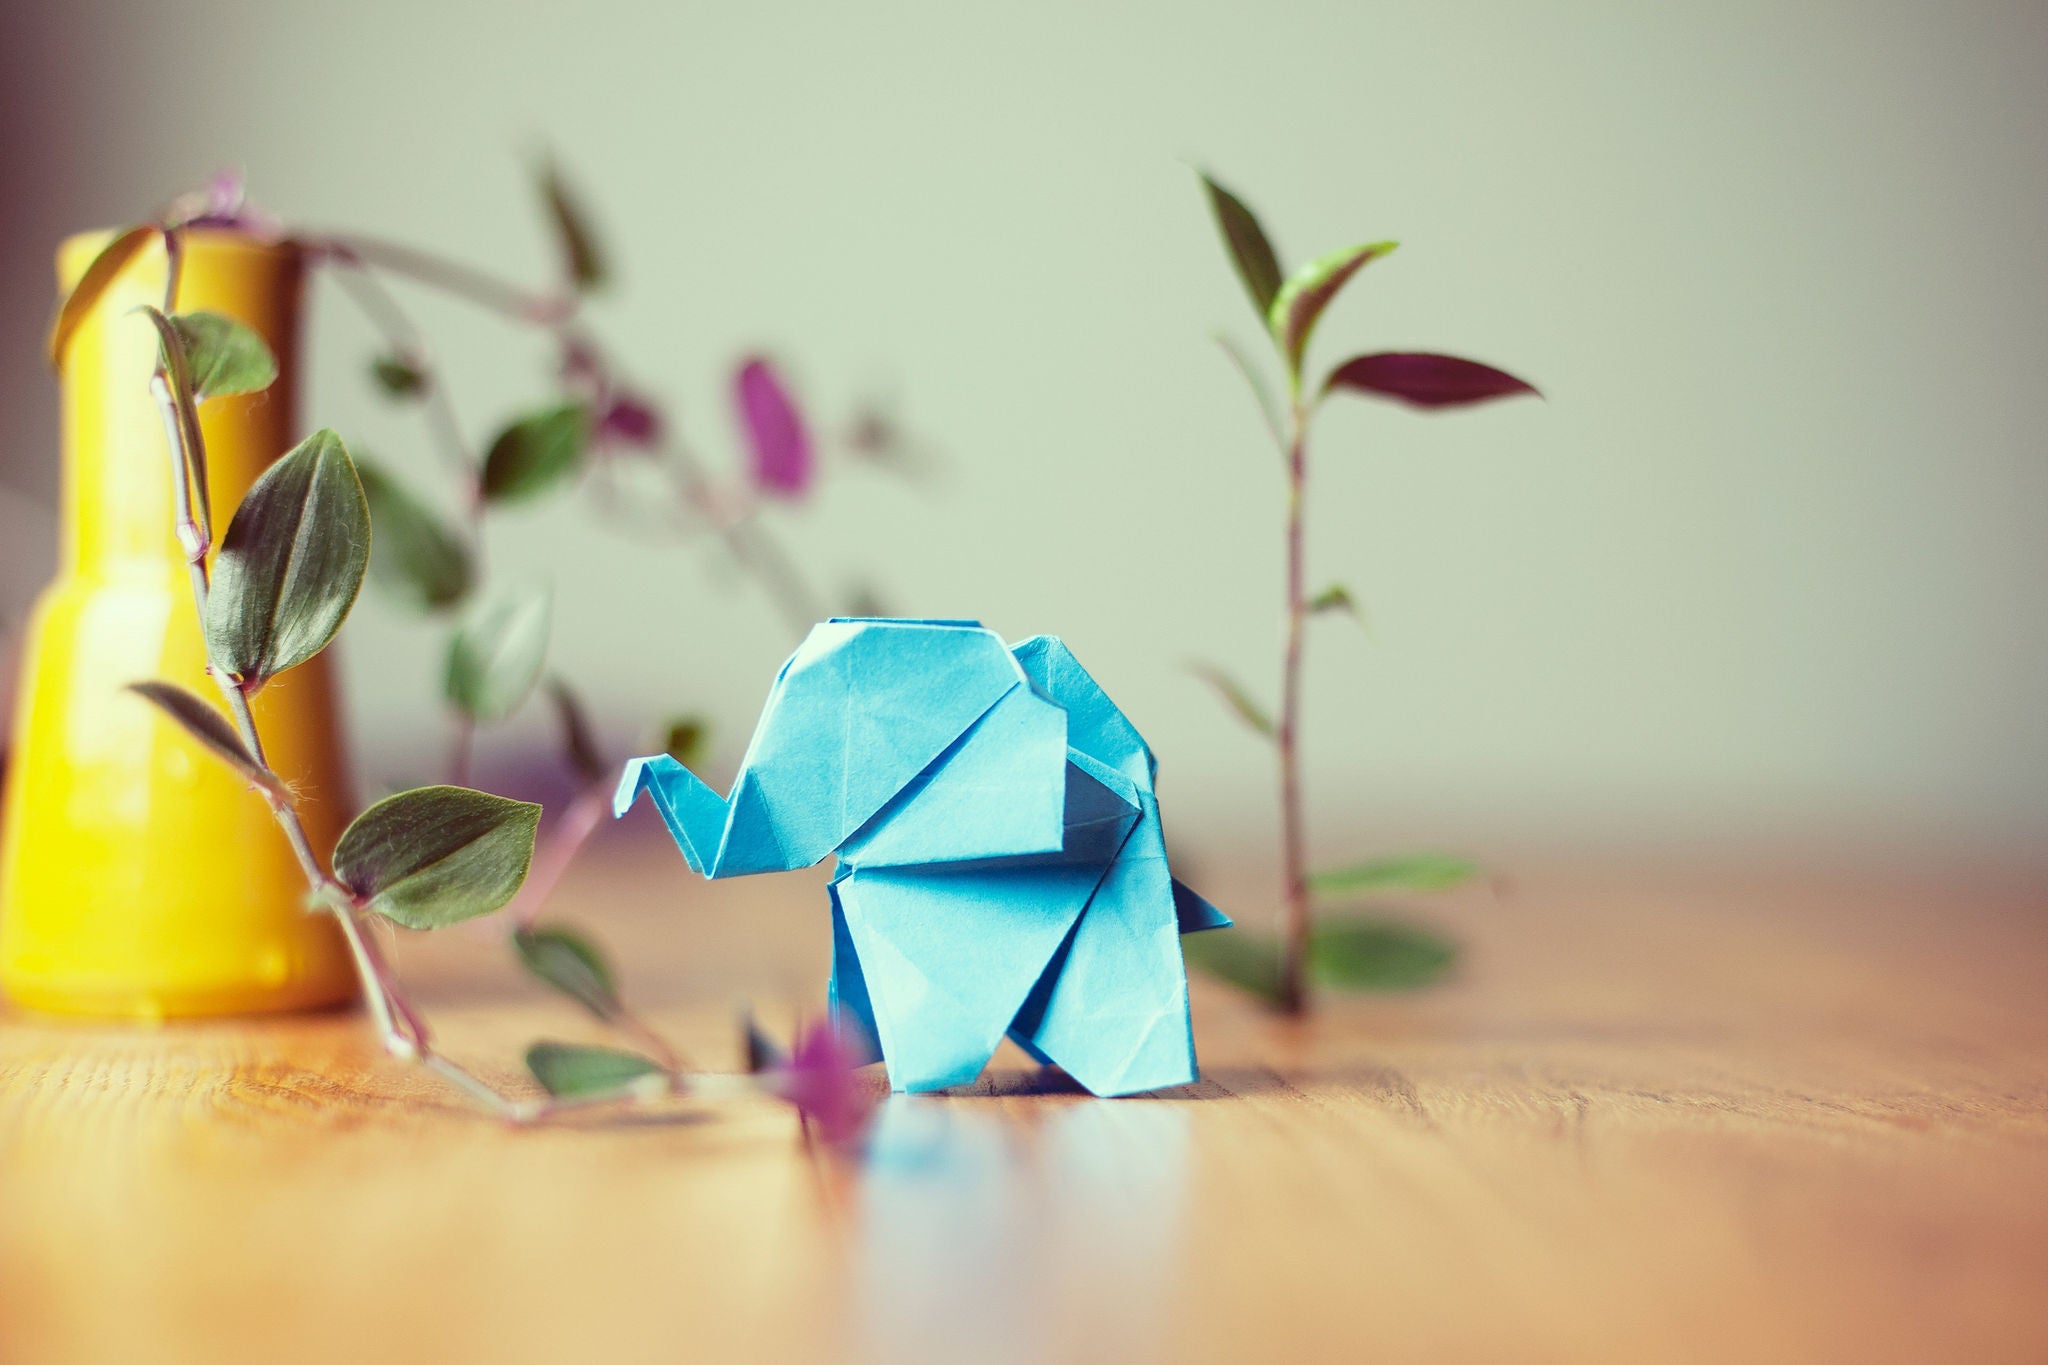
<point x="1765" y="570"/>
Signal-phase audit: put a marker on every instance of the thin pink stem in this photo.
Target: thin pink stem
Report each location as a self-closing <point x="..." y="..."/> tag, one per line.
<point x="1293" y="838"/>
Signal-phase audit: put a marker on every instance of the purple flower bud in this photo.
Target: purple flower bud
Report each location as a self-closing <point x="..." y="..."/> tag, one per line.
<point x="780" y="446"/>
<point x="821" y="1078"/>
<point x="629" y="421"/>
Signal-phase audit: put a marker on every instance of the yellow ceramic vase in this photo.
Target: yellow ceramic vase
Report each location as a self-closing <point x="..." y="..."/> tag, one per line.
<point x="140" y="877"/>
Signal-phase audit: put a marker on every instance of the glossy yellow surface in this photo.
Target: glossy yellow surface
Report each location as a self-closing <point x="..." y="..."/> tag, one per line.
<point x="139" y="877"/>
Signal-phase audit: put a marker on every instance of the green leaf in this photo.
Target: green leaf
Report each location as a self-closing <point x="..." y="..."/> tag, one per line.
<point x="496" y="656"/>
<point x="571" y="1070"/>
<point x="684" y="741"/>
<point x="113" y="258"/>
<point x="178" y="370"/>
<point x="571" y="964"/>
<point x="435" y="856"/>
<point x="1250" y="252"/>
<point x="415" y="557"/>
<point x="291" y="563"/>
<point x="1336" y="597"/>
<point x="1247" y="960"/>
<point x="580" y="254"/>
<point x="398" y="376"/>
<point x="1377" y="954"/>
<point x="536" y="452"/>
<point x="1235" y="697"/>
<point x="1301" y="301"/>
<point x="1406" y="872"/>
<point x="212" y="729"/>
<point x="223" y="357"/>
<point x="579" y="741"/>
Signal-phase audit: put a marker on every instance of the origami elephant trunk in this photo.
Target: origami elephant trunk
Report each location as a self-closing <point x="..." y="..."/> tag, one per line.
<point x="696" y="816"/>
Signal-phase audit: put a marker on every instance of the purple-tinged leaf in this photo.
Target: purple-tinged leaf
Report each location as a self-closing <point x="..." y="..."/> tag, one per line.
<point x="291" y="564"/>
<point x="113" y="258"/>
<point x="777" y="440"/>
<point x="1301" y="301"/>
<point x="629" y="420"/>
<point x="1423" y="380"/>
<point x="207" y="725"/>
<point x="1250" y="251"/>
<point x="435" y="856"/>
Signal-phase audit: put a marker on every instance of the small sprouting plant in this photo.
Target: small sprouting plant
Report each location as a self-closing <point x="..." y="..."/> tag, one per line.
<point x="275" y="590"/>
<point x="1367" y="953"/>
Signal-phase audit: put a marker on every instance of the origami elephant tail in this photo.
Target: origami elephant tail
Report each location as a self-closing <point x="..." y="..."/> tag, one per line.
<point x="694" y="814"/>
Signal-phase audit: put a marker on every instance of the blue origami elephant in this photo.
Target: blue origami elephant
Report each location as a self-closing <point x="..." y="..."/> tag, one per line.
<point x="1001" y="868"/>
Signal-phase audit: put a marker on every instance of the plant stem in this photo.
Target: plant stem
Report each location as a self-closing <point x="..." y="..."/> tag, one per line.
<point x="1293" y="841"/>
<point x="462" y="743"/>
<point x="405" y="338"/>
<point x="401" y="1029"/>
<point x="450" y="276"/>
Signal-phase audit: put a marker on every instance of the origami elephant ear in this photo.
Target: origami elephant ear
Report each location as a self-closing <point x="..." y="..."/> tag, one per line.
<point x="999" y="791"/>
<point x="860" y="711"/>
<point x="1094" y="725"/>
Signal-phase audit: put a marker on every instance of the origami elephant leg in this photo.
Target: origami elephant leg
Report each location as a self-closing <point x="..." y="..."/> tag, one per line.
<point x="948" y="958"/>
<point x="1116" y="1015"/>
<point x="846" y="998"/>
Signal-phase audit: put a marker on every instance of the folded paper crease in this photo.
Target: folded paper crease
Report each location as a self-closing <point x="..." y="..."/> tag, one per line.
<point x="1001" y="867"/>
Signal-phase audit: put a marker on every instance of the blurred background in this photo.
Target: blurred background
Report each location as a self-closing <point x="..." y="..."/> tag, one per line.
<point x="1761" y="578"/>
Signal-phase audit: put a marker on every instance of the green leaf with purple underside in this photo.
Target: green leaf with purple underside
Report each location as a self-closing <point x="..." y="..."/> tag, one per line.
<point x="1251" y="252"/>
<point x="211" y="729"/>
<point x="291" y="563"/>
<point x="436" y="856"/>
<point x="572" y="964"/>
<point x="1300" y="303"/>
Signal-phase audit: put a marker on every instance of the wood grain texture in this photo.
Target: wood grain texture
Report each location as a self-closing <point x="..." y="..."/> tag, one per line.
<point x="1647" y="1123"/>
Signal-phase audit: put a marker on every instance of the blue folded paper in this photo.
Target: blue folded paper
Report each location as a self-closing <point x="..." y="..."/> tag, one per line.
<point x="1001" y="867"/>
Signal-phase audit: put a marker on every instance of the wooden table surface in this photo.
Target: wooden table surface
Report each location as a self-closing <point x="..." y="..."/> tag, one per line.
<point x="1772" y="1122"/>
